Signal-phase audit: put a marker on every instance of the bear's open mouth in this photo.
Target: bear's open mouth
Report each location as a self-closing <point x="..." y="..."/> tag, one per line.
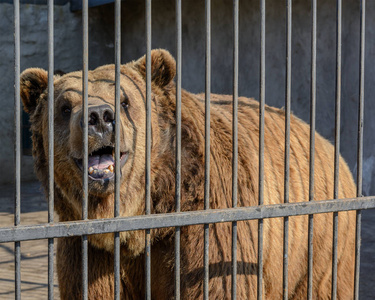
<point x="101" y="163"/>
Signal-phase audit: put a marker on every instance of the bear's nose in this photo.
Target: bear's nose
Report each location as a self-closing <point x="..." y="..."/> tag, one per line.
<point x="101" y="119"/>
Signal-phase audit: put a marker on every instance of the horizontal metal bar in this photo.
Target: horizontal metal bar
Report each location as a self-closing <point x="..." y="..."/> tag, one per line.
<point x="76" y="228"/>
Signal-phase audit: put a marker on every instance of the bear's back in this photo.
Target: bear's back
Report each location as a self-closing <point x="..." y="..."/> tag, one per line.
<point x="274" y="164"/>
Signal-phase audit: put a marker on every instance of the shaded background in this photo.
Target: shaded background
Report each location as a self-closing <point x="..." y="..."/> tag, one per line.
<point x="68" y="57"/>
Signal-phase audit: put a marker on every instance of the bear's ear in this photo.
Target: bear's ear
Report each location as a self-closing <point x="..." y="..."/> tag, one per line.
<point x="33" y="83"/>
<point x="163" y="67"/>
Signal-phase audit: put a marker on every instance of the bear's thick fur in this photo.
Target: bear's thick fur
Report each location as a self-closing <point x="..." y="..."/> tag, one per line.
<point x="68" y="187"/>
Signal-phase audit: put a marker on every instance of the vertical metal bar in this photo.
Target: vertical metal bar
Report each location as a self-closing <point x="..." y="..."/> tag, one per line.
<point x="50" y="145"/>
<point x="235" y="144"/>
<point x="178" y="145"/>
<point x="148" y="148"/>
<point x="17" y="146"/>
<point x="117" y="144"/>
<point x="207" y="146"/>
<point x="261" y="139"/>
<point x="288" y="87"/>
<point x="85" y="55"/>
<point x="312" y="146"/>
<point x="337" y="147"/>
<point x="360" y="146"/>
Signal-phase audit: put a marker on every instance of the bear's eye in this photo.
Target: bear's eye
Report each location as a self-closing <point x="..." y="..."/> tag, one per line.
<point x="125" y="103"/>
<point x="66" y="110"/>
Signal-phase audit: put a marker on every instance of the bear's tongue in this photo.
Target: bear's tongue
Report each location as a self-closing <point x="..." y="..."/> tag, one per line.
<point x="100" y="162"/>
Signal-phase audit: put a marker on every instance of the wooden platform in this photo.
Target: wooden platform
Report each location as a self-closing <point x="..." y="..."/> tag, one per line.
<point x="34" y="253"/>
<point x="34" y="258"/>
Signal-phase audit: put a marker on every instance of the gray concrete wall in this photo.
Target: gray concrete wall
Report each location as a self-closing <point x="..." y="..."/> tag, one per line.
<point x="68" y="58"/>
<point x="34" y="53"/>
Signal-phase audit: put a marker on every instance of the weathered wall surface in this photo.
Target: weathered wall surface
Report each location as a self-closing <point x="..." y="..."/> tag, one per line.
<point x="34" y="53"/>
<point x="68" y="51"/>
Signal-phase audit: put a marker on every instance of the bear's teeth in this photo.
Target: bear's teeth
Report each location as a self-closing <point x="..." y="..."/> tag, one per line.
<point x="110" y="168"/>
<point x="91" y="170"/>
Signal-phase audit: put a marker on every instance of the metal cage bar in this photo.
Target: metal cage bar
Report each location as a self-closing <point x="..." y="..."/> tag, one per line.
<point x="178" y="146"/>
<point x="50" y="145"/>
<point x="148" y="150"/>
<point x="17" y="147"/>
<point x="360" y="145"/>
<point x="262" y="97"/>
<point x="337" y="145"/>
<point x="98" y="226"/>
<point x="85" y="55"/>
<point x="312" y="146"/>
<point x="117" y="145"/>
<point x="235" y="143"/>
<point x="288" y="89"/>
<point x="207" y="147"/>
<point x="85" y="227"/>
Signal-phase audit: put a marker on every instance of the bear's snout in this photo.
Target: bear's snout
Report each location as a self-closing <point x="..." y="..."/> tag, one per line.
<point x="100" y="120"/>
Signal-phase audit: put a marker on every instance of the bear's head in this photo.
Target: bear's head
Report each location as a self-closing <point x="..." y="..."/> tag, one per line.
<point x="68" y="130"/>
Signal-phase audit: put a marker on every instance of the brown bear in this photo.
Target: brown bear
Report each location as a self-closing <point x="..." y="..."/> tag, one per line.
<point x="68" y="174"/>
